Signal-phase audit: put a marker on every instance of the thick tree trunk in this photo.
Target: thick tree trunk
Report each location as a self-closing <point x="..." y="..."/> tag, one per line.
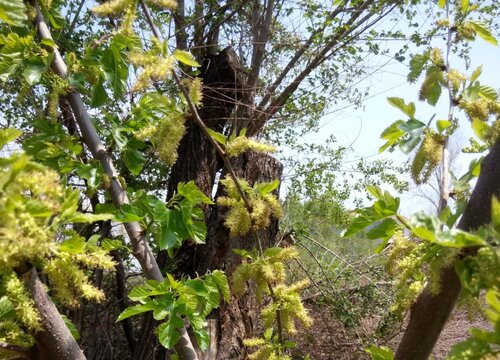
<point x="431" y="311"/>
<point x="223" y="80"/>
<point x="236" y="321"/>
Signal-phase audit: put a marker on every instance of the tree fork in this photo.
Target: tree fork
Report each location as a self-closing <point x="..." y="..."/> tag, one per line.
<point x="431" y="311"/>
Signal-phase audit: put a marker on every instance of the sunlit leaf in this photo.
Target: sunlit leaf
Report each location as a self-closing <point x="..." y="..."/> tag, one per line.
<point x="443" y="125"/>
<point x="480" y="128"/>
<point x="399" y="103"/>
<point x="13" y="12"/>
<point x="185" y="58"/>
<point x="8" y="135"/>
<point x="483" y="31"/>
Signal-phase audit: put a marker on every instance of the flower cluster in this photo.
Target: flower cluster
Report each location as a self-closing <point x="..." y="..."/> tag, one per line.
<point x="241" y="144"/>
<point x="427" y="157"/>
<point x="239" y="220"/>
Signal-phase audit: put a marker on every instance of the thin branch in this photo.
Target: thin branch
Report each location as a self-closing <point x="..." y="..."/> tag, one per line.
<point x="136" y="234"/>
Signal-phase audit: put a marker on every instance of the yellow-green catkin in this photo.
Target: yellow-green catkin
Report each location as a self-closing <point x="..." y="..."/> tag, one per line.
<point x="427" y="157"/>
<point x="262" y="271"/>
<point x="155" y="63"/>
<point x="113" y="7"/>
<point x="239" y="220"/>
<point x="165" y="136"/>
<point x="195" y="90"/>
<point x="242" y="144"/>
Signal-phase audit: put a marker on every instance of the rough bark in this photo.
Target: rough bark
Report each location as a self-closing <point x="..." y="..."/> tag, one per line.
<point x="431" y="311"/>
<point x="233" y="322"/>
<point x="55" y="341"/>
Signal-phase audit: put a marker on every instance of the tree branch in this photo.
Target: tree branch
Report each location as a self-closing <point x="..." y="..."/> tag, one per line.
<point x="140" y="247"/>
<point x="431" y="311"/>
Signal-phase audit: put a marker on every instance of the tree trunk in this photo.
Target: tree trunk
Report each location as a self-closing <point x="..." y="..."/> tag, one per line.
<point x="223" y="81"/>
<point x="431" y="311"/>
<point x="234" y="322"/>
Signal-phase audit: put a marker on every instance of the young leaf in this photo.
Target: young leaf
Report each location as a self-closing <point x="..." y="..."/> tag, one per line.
<point x="475" y="74"/>
<point x="74" y="245"/>
<point x="8" y="135"/>
<point x="443" y="125"/>
<point x="266" y="187"/>
<point x="71" y="327"/>
<point x="483" y="31"/>
<point x="135" y="310"/>
<point x="480" y="128"/>
<point x="392" y="134"/>
<point x="399" y="103"/>
<point x="487" y="92"/>
<point x="186" y="58"/>
<point x="220" y="138"/>
<point x="464" y="5"/>
<point x="13" y="12"/>
<point x="417" y="65"/>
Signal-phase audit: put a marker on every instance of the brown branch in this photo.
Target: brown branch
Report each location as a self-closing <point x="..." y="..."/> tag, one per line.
<point x="136" y="234"/>
<point x="431" y="311"/>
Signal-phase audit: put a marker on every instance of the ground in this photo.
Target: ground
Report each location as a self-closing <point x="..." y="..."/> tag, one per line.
<point x="328" y="338"/>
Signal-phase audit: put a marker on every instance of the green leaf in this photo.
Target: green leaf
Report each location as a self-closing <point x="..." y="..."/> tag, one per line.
<point x="194" y="223"/>
<point x="487" y="92"/>
<point x="417" y="65"/>
<point x="384" y="230"/>
<point x="399" y="103"/>
<point x="483" y="31"/>
<point x="168" y="333"/>
<point x="129" y="213"/>
<point x="222" y="283"/>
<point x="464" y="5"/>
<point x="475" y="74"/>
<point x="220" y="138"/>
<point x="99" y="96"/>
<point x="71" y="327"/>
<point x="272" y="251"/>
<point x="186" y="58"/>
<point x="8" y="135"/>
<point x="134" y="160"/>
<point x="13" y="12"/>
<point x="443" y="125"/>
<point x="265" y="188"/>
<point x="74" y="245"/>
<point x="6" y="309"/>
<point x="192" y="193"/>
<point x="112" y="244"/>
<point x="202" y="338"/>
<point x="91" y="173"/>
<point x="135" y="310"/>
<point x="380" y="353"/>
<point x="430" y="228"/>
<point x="434" y="93"/>
<point x="33" y="72"/>
<point x="480" y="128"/>
<point x="392" y="134"/>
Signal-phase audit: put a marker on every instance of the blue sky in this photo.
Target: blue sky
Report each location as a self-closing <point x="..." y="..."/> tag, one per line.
<point x="360" y="128"/>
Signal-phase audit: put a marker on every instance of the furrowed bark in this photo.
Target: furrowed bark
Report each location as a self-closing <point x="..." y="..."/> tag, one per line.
<point x="141" y="250"/>
<point x="431" y="311"/>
